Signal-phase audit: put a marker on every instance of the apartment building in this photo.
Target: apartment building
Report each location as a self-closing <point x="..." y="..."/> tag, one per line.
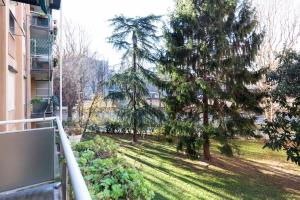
<point x="27" y="35"/>
<point x="30" y="167"/>
<point x="42" y="37"/>
<point x="14" y="62"/>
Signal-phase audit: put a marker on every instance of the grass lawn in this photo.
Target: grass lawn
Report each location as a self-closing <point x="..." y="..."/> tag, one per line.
<point x="254" y="174"/>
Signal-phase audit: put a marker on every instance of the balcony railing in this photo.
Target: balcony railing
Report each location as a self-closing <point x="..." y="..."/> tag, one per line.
<point x="39" y="20"/>
<point x="42" y="109"/>
<point x="41" y="64"/>
<point x="29" y="160"/>
<point x="53" y="4"/>
<point x="40" y="46"/>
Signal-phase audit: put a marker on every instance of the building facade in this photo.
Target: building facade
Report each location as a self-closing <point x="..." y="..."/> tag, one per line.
<point x="30" y="158"/>
<point x="14" y="62"/>
<point x="27" y="35"/>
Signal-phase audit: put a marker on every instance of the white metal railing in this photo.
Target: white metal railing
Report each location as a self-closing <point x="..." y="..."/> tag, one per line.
<point x="78" y="184"/>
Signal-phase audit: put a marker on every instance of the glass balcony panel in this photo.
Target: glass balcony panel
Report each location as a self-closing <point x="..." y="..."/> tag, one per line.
<point x="27" y="158"/>
<point x="30" y="167"/>
<point x="39" y="63"/>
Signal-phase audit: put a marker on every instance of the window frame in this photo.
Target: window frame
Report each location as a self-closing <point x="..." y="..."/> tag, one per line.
<point x="11" y="94"/>
<point x="12" y="23"/>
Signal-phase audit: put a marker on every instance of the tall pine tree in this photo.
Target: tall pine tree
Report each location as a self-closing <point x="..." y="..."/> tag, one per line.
<point x="137" y="38"/>
<point x="211" y="47"/>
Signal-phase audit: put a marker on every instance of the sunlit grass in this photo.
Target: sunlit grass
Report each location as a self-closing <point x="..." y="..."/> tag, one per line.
<point x="254" y="174"/>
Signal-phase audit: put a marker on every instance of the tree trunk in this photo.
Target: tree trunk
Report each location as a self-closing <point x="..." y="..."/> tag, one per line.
<point x="134" y="39"/>
<point x="91" y="110"/>
<point x="159" y="98"/>
<point x="80" y="111"/>
<point x="70" y="112"/>
<point x="206" y="144"/>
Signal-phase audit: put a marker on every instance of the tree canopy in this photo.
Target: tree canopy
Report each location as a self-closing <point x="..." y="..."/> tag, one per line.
<point x="136" y="38"/>
<point x="211" y="48"/>
<point x="284" y="129"/>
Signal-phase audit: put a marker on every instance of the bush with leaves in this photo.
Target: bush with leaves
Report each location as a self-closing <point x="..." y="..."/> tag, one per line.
<point x="112" y="126"/>
<point x="284" y="129"/>
<point x="107" y="175"/>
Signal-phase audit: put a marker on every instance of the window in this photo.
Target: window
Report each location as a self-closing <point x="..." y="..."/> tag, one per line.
<point x="11" y="23"/>
<point x="11" y="91"/>
<point x="42" y="89"/>
<point x="24" y="91"/>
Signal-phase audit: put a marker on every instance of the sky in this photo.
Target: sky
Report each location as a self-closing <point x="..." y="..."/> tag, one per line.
<point x="93" y="16"/>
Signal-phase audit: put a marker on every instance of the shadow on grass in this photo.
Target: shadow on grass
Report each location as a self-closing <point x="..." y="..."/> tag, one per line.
<point x="175" y="175"/>
<point x="260" y="171"/>
<point x="241" y="179"/>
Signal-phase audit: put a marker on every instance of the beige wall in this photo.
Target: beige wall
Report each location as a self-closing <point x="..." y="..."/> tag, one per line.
<point x="3" y="62"/>
<point x="13" y="52"/>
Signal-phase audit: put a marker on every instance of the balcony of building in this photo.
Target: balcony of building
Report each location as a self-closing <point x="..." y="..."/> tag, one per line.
<point x="41" y="42"/>
<point x="41" y="59"/>
<point x="43" y="108"/>
<point x="40" y="21"/>
<point x="36" y="163"/>
<point x="41" y="101"/>
<point x="52" y="4"/>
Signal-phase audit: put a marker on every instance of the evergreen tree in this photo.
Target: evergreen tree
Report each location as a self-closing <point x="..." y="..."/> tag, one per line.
<point x="137" y="38"/>
<point x="211" y="47"/>
<point x="284" y="129"/>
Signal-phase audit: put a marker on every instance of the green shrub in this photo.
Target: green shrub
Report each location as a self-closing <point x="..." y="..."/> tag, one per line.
<point x="190" y="145"/>
<point x="36" y="100"/>
<point x="70" y="123"/>
<point x="226" y="149"/>
<point x="107" y="175"/>
<point x="112" y="126"/>
<point x="102" y="147"/>
<point x="229" y="148"/>
<point x="159" y="131"/>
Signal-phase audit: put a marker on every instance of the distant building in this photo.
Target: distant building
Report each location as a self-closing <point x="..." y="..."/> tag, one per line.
<point x="100" y="75"/>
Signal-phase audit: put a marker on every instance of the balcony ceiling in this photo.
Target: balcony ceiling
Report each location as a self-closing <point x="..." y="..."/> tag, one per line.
<point x="54" y="4"/>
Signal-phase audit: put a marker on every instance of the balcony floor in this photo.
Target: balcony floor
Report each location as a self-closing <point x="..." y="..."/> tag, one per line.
<point x="50" y="191"/>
